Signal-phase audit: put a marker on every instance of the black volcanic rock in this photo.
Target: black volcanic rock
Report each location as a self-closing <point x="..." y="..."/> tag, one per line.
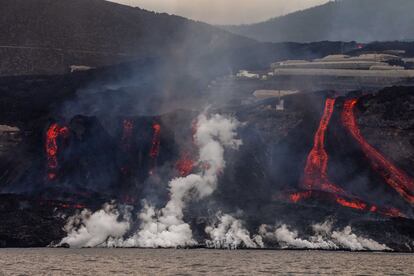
<point x="387" y="122"/>
<point x="25" y="222"/>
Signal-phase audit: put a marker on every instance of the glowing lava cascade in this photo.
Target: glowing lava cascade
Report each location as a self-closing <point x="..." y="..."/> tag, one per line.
<point x="155" y="145"/>
<point x="53" y="133"/>
<point x="127" y="132"/>
<point x="316" y="175"/>
<point x="185" y="165"/>
<point x="128" y="128"/>
<point x="395" y="177"/>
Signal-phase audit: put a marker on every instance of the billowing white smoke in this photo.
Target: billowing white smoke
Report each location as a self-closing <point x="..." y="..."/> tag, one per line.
<point x="166" y="227"/>
<point x="229" y="233"/>
<point x="88" y="229"/>
<point x="323" y="238"/>
<point x="349" y="240"/>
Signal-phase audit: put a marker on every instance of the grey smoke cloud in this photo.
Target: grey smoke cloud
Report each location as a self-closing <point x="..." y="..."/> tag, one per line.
<point x="225" y="11"/>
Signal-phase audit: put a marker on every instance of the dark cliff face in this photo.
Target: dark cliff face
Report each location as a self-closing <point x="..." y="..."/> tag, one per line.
<point x="98" y="163"/>
<point x="387" y="121"/>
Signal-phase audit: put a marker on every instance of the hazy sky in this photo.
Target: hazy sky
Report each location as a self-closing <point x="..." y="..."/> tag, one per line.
<point x="225" y="11"/>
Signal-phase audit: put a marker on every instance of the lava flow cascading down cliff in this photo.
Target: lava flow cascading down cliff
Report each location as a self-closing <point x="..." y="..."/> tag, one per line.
<point x="155" y="146"/>
<point x="395" y="177"/>
<point x="185" y="165"/>
<point x="52" y="135"/>
<point x="128" y="128"/>
<point x="316" y="175"/>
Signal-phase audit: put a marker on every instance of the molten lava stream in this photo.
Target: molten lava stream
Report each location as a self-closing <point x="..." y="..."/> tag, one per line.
<point x="127" y="131"/>
<point x="52" y="135"/>
<point x="316" y="175"/>
<point x="155" y="145"/>
<point x="353" y="203"/>
<point x="395" y="177"/>
<point x="185" y="165"/>
<point x="128" y="128"/>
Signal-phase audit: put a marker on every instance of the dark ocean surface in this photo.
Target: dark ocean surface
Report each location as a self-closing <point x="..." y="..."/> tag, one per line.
<point x="199" y="262"/>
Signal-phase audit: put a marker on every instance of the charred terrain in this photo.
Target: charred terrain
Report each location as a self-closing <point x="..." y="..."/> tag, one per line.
<point x="122" y="132"/>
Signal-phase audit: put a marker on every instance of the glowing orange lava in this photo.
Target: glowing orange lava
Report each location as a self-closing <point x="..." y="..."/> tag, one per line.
<point x="354" y="204"/>
<point x="316" y="175"/>
<point x="296" y="197"/>
<point x="395" y="177"/>
<point x="128" y="128"/>
<point x="155" y="145"/>
<point x="53" y="133"/>
<point x="185" y="165"/>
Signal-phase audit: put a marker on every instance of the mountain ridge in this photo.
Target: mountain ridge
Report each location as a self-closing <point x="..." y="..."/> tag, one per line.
<point x="46" y="36"/>
<point x="346" y="20"/>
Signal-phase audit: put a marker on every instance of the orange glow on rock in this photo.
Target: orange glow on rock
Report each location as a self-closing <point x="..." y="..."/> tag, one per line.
<point x="316" y="170"/>
<point x="155" y="146"/>
<point x="53" y="133"/>
<point x="128" y="128"/>
<point x="395" y="177"/>
<point x="296" y="197"/>
<point x="185" y="165"/>
<point x="354" y="204"/>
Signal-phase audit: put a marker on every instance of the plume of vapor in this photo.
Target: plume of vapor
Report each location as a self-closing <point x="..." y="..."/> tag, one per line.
<point x="324" y="238"/>
<point x="87" y="229"/>
<point x="229" y="233"/>
<point x="165" y="227"/>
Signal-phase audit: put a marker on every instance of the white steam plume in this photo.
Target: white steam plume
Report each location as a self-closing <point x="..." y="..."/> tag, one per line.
<point x="323" y="238"/>
<point x="87" y="229"/>
<point x="166" y="227"/>
<point x="229" y="233"/>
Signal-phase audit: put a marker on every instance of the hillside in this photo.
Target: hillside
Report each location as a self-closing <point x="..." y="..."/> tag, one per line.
<point x="47" y="36"/>
<point x="342" y="20"/>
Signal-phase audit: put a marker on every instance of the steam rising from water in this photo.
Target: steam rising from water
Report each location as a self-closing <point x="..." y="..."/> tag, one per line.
<point x="166" y="227"/>
<point x="88" y="229"/>
<point x="324" y="238"/>
<point x="229" y="233"/>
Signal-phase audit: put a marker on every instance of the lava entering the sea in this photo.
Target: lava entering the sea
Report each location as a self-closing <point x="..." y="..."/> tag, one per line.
<point x="52" y="148"/>
<point x="395" y="177"/>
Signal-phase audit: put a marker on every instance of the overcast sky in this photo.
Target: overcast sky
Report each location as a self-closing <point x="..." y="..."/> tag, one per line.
<point x="225" y="11"/>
